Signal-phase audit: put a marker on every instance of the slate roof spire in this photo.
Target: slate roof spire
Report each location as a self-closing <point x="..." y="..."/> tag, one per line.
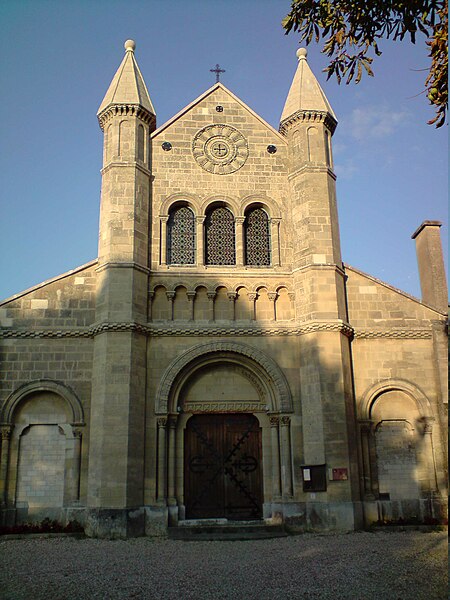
<point x="127" y="87"/>
<point x="305" y="94"/>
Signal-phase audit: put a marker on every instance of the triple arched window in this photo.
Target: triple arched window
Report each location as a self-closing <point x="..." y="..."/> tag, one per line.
<point x="225" y="240"/>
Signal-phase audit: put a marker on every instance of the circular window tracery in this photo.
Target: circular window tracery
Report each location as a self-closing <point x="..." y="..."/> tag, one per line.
<point x="220" y="149"/>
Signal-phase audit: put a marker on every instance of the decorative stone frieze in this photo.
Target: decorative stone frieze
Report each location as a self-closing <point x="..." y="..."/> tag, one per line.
<point x="311" y="116"/>
<point x="133" y="110"/>
<point x="224" y="407"/>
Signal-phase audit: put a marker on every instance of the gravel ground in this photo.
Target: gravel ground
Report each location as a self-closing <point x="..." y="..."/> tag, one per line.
<point x="357" y="566"/>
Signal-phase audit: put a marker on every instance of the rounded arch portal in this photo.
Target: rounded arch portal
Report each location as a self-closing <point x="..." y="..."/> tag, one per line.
<point x="254" y="364"/>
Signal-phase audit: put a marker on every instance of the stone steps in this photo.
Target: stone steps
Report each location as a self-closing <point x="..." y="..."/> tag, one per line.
<point x="207" y="530"/>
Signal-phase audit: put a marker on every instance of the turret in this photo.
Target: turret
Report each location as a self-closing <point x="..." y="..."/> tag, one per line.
<point x="127" y="118"/>
<point x="116" y="460"/>
<point x="308" y="122"/>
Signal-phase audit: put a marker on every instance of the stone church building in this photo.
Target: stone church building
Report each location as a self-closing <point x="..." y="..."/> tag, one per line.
<point x="218" y="360"/>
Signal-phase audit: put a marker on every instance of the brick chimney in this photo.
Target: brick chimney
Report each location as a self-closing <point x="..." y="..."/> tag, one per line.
<point x="433" y="281"/>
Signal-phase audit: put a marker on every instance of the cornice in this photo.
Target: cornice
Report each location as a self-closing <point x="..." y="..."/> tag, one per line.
<point x="122" y="265"/>
<point x="121" y="110"/>
<point x="320" y="267"/>
<point x="311" y="116"/>
<point x="309" y="168"/>
<point x="394" y="333"/>
<point x="178" y="329"/>
<point x="125" y="165"/>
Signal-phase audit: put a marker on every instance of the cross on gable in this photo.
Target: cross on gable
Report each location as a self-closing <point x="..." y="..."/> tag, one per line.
<point x="217" y="70"/>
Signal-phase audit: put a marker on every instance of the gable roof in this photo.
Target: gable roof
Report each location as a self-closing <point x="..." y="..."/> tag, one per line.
<point x="215" y="87"/>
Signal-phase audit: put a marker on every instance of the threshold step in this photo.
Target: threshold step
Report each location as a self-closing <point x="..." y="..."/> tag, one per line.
<point x="229" y="531"/>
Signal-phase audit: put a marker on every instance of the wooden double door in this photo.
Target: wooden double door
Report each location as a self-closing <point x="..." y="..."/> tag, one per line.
<point x="223" y="467"/>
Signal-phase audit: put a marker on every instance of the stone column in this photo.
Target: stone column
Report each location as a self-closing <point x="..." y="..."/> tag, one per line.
<point x="171" y="298"/>
<point x="273" y="297"/>
<point x="74" y="493"/>
<point x="13" y="463"/>
<point x="211" y="297"/>
<point x="286" y="467"/>
<point x="150" y="304"/>
<point x="5" y="433"/>
<point x="232" y="298"/>
<point x="191" y="298"/>
<point x="252" y="296"/>
<point x="163" y="251"/>
<point x="200" y="247"/>
<point x="162" y="460"/>
<point x="275" y="443"/>
<point x="429" y="453"/>
<point x="366" y="433"/>
<point x="240" y="250"/>
<point x="275" y="241"/>
<point x="172" y="460"/>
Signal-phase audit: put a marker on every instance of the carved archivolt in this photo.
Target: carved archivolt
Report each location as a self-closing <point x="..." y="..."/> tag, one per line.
<point x="388" y="385"/>
<point x="42" y="385"/>
<point x="262" y="367"/>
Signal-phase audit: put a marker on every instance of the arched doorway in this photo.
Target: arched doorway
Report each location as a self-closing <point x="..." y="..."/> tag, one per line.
<point x="223" y="467"/>
<point x="230" y="390"/>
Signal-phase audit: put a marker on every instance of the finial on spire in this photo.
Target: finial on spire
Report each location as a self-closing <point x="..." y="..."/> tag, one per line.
<point x="302" y="53"/>
<point x="130" y="45"/>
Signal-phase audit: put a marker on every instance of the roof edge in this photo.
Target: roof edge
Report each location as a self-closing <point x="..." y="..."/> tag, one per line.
<point x="48" y="281"/>
<point x="202" y="96"/>
<point x="393" y="289"/>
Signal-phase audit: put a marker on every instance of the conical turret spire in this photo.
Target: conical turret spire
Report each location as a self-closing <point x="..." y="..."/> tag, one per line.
<point x="127" y="87"/>
<point x="305" y="94"/>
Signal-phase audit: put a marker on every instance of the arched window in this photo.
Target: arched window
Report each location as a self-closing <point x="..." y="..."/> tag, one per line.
<point x="181" y="237"/>
<point x="257" y="238"/>
<point x="220" y="237"/>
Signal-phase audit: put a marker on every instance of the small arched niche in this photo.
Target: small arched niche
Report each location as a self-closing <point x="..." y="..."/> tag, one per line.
<point x="395" y="416"/>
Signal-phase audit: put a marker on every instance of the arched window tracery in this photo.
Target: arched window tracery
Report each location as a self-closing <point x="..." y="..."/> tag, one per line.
<point x="220" y="237"/>
<point x="181" y="236"/>
<point x="257" y="238"/>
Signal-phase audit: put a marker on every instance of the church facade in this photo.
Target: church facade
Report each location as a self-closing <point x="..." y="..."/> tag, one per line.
<point x="218" y="360"/>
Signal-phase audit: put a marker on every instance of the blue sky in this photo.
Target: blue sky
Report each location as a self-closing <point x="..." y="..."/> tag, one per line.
<point x="59" y="58"/>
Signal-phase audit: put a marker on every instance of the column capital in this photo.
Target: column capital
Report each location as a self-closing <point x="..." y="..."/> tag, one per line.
<point x="232" y="296"/>
<point x="162" y="422"/>
<point x="427" y="424"/>
<point x="285" y="421"/>
<point x="191" y="295"/>
<point x="6" y="432"/>
<point x="366" y="425"/>
<point x="252" y="295"/>
<point x="211" y="295"/>
<point x="274" y="421"/>
<point x="163" y="219"/>
<point x="172" y="421"/>
<point x="239" y="220"/>
<point x="200" y="219"/>
<point x="272" y="295"/>
<point x="170" y="295"/>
